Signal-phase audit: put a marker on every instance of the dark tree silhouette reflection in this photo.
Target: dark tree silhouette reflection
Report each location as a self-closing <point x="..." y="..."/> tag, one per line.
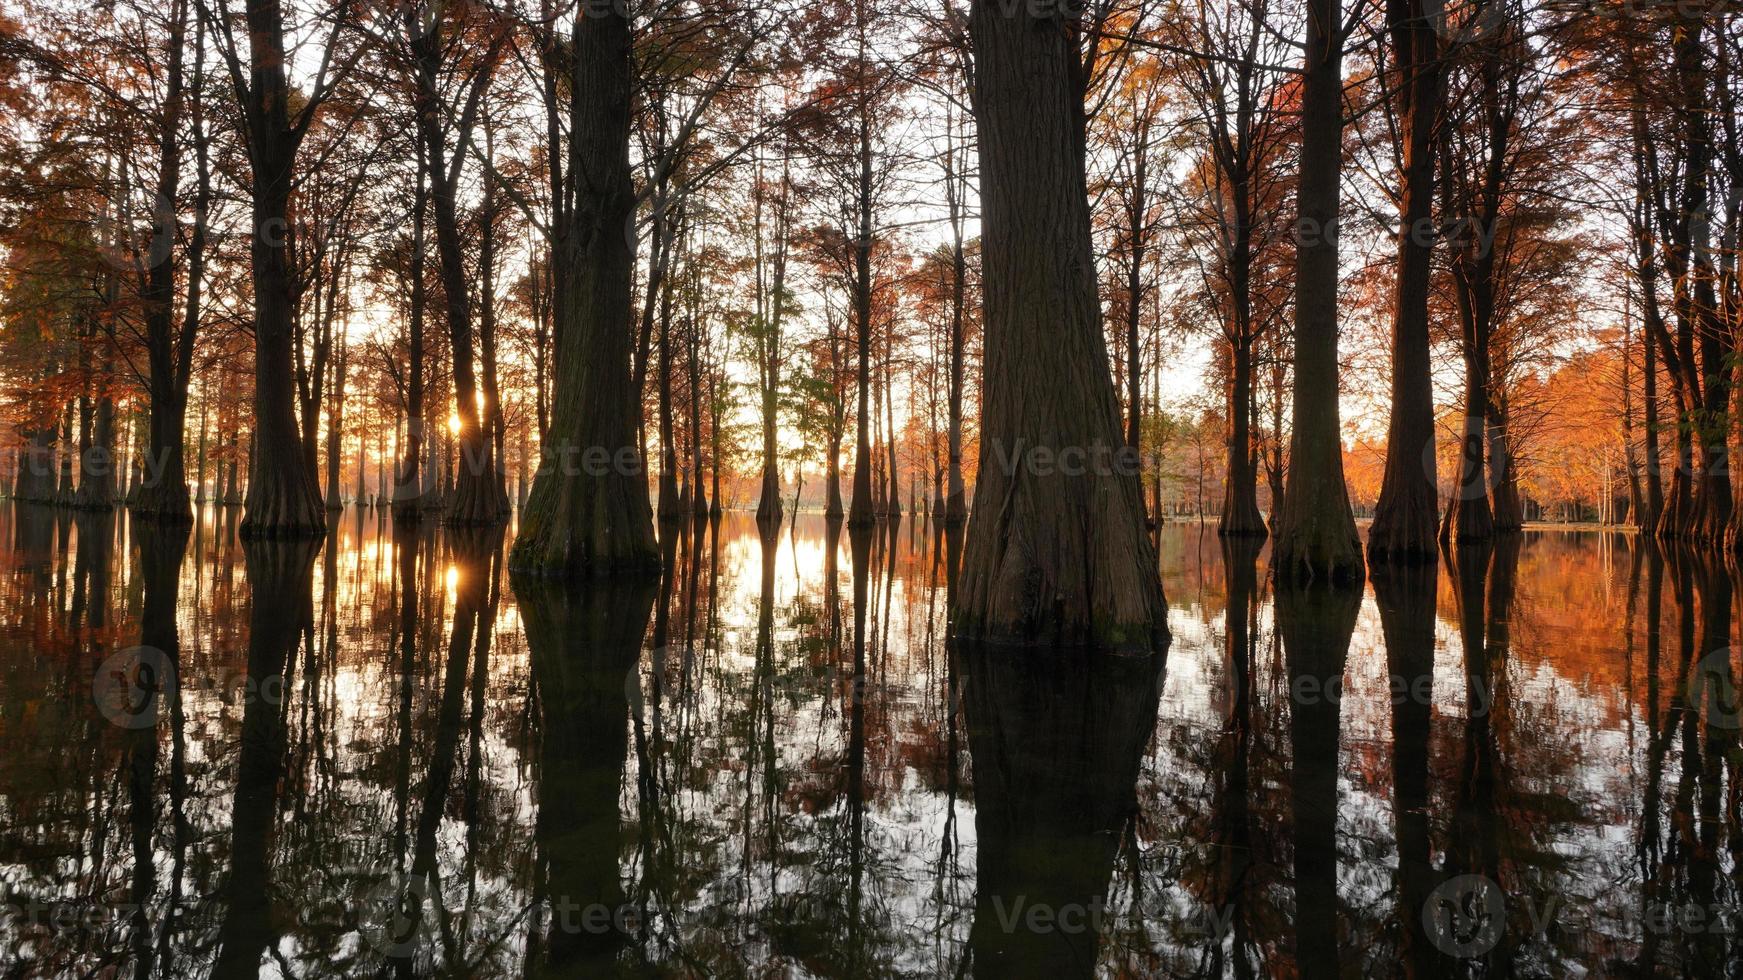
<point x="1405" y="595"/>
<point x="1316" y="621"/>
<point x="1055" y="738"/>
<point x="281" y="613"/>
<point x="585" y="642"/>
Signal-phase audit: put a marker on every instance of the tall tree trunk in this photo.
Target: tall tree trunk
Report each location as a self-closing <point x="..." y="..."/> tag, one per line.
<point x="714" y="508"/>
<point x="200" y="495"/>
<point x="1468" y="514"/>
<point x="1653" y="465"/>
<point x="956" y="499"/>
<point x="36" y="466"/>
<point x="98" y="460"/>
<point x="67" y="450"/>
<point x="476" y="500"/>
<point x="1507" y="506"/>
<point x="772" y="305"/>
<point x="668" y="502"/>
<point x="283" y="500"/>
<point x="232" y="492"/>
<point x="1469" y="517"/>
<point x="1406" y="516"/>
<point x="862" y="512"/>
<point x="895" y="492"/>
<point x="1630" y="450"/>
<point x="492" y="422"/>
<point x="1317" y="537"/>
<point x="336" y="431"/>
<point x="409" y="476"/>
<point x="170" y="357"/>
<point x="582" y="515"/>
<point x="1698" y="301"/>
<point x="832" y="508"/>
<point x="1057" y="553"/>
<point x="698" y="497"/>
<point x="1240" y="516"/>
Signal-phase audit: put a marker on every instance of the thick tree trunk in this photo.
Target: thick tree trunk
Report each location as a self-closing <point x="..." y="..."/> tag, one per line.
<point x="1406" y="515"/>
<point x="283" y="501"/>
<point x="1057" y="552"/>
<point x="1317" y="536"/>
<point x="36" y="467"/>
<point x="282" y="498"/>
<point x="589" y="506"/>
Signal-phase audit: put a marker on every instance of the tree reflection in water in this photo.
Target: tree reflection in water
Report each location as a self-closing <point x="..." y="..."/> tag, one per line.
<point x="389" y="758"/>
<point x="1055" y="738"/>
<point x="584" y="642"/>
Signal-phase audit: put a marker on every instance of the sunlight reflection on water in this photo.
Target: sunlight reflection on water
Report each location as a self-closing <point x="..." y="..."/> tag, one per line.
<point x="392" y="753"/>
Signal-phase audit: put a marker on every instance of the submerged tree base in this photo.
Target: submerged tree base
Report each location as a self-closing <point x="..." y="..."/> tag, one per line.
<point x="165" y="502"/>
<point x="282" y="517"/>
<point x="577" y="526"/>
<point x="1319" y="551"/>
<point x="1406" y="528"/>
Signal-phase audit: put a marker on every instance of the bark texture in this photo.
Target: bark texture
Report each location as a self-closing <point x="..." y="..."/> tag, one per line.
<point x="589" y="506"/>
<point x="1406" y="516"/>
<point x="1057" y="551"/>
<point x="1316" y="536"/>
<point x="283" y="499"/>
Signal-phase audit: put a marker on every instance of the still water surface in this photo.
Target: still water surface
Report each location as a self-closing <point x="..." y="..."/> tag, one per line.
<point x="383" y="755"/>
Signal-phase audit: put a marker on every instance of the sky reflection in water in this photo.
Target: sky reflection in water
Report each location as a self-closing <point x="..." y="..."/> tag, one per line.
<point x="385" y="755"/>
